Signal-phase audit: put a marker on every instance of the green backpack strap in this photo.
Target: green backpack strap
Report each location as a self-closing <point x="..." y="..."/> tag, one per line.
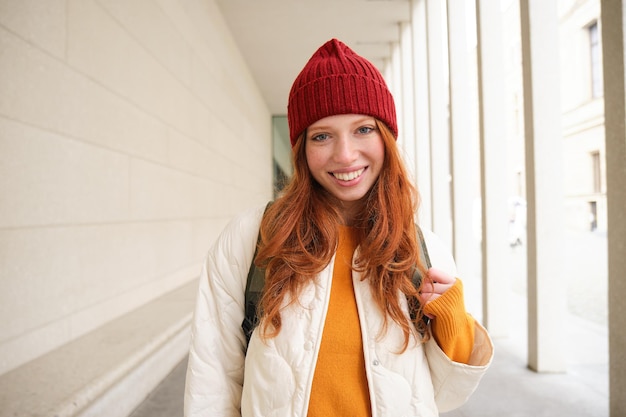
<point x="417" y="277"/>
<point x="256" y="281"/>
<point x="254" y="289"/>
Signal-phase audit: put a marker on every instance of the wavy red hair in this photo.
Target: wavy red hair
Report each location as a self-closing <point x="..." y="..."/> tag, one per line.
<point x="299" y="237"/>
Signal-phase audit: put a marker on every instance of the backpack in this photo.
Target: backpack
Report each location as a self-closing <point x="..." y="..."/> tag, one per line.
<point x="256" y="282"/>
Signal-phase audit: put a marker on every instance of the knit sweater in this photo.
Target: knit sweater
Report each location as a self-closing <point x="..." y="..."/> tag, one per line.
<point x="339" y="383"/>
<point x="452" y="327"/>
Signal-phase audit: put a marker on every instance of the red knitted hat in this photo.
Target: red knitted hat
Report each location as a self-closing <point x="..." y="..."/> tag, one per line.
<point x="338" y="81"/>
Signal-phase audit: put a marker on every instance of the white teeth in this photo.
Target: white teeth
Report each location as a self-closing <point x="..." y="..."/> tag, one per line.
<point x="347" y="176"/>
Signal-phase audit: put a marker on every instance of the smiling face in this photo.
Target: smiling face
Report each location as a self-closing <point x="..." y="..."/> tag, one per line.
<point x="345" y="155"/>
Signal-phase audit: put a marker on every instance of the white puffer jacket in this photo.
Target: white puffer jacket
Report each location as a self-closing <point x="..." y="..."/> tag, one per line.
<point x="278" y="373"/>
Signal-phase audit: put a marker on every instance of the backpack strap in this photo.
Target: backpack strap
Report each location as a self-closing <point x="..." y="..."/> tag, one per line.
<point x="254" y="288"/>
<point x="417" y="277"/>
<point x="256" y="282"/>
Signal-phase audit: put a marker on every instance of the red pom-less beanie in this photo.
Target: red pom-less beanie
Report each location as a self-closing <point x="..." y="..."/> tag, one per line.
<point x="338" y="81"/>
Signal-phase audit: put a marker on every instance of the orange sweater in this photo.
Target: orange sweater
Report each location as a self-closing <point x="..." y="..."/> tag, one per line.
<point x="452" y="328"/>
<point x="340" y="384"/>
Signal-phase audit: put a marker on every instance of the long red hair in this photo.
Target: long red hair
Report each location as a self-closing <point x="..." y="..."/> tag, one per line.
<point x="299" y="237"/>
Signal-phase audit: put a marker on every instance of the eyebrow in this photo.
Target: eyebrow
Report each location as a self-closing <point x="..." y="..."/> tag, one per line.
<point x="327" y="127"/>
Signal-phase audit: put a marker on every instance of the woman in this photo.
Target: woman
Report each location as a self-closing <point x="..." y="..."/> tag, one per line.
<point x="339" y="248"/>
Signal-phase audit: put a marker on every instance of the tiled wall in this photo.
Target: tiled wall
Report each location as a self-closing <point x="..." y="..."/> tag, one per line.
<point x="130" y="132"/>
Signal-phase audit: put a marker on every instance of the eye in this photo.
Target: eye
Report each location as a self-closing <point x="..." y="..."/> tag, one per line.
<point x="364" y="130"/>
<point x="319" y="137"/>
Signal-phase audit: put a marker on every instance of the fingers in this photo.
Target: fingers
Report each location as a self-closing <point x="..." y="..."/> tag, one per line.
<point x="435" y="287"/>
<point x="437" y="275"/>
<point x="427" y="297"/>
<point x="437" y="282"/>
<point x="432" y="291"/>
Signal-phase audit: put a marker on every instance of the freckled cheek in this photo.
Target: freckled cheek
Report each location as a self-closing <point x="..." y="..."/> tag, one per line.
<point x="315" y="161"/>
<point x="380" y="154"/>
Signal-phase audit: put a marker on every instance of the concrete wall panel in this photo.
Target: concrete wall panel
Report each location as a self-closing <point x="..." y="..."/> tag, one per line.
<point x="50" y="179"/>
<point x="39" y="90"/>
<point x="41" y="23"/>
<point x="102" y="49"/>
<point x="130" y="133"/>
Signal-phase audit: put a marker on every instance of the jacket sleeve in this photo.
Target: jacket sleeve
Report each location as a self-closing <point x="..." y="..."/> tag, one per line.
<point x="454" y="382"/>
<point x="217" y="352"/>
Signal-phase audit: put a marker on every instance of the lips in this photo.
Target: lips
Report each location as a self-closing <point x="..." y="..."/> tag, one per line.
<point x="348" y="176"/>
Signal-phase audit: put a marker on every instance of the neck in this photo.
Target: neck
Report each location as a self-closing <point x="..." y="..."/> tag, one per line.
<point x="349" y="211"/>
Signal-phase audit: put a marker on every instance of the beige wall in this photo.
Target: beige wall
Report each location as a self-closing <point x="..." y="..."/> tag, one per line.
<point x="583" y="117"/>
<point x="130" y="132"/>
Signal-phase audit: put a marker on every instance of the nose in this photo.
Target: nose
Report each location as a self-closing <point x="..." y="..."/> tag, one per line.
<point x="346" y="150"/>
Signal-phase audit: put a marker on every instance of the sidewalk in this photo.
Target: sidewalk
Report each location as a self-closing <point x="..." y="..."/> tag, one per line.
<point x="167" y="399"/>
<point x="508" y="389"/>
<point x="511" y="389"/>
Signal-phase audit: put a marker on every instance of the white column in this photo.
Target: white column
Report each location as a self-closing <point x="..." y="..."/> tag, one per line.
<point x="464" y="152"/>
<point x="438" y="103"/>
<point x="396" y="86"/>
<point x="544" y="185"/>
<point x="422" y="111"/>
<point x="495" y="251"/>
<point x="408" y="105"/>
<point x="613" y="47"/>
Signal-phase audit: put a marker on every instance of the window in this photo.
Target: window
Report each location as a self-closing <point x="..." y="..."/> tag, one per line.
<point x="593" y="215"/>
<point x="280" y="179"/>
<point x="596" y="172"/>
<point x="595" y="60"/>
